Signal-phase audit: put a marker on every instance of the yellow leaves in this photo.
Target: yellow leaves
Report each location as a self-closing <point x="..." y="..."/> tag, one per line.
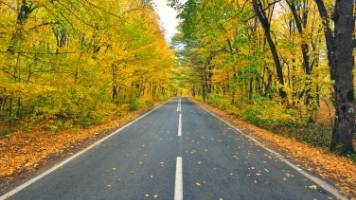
<point x="17" y="89"/>
<point x="312" y="187"/>
<point x="80" y="58"/>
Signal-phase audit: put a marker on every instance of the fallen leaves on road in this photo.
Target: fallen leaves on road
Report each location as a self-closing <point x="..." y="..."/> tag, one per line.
<point x="341" y="171"/>
<point x="162" y="164"/>
<point x="313" y="187"/>
<point x="25" y="151"/>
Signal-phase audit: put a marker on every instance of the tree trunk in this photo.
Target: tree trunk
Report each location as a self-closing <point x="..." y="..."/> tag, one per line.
<point x="341" y="62"/>
<point x="250" y="91"/>
<point x="304" y="46"/>
<point x="24" y="12"/>
<point x="266" y="28"/>
<point x="300" y="24"/>
<point x="344" y="89"/>
<point x="204" y="85"/>
<point x="114" y="82"/>
<point x="18" y="109"/>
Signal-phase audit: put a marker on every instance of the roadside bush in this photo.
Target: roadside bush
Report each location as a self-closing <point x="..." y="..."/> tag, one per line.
<point x="4" y="132"/>
<point x="277" y="118"/>
<point x="221" y="102"/>
<point x="269" y="114"/>
<point x="134" y="105"/>
<point x="148" y="103"/>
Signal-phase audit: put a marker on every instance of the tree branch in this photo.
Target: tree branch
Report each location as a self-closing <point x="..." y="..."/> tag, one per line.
<point x="264" y="9"/>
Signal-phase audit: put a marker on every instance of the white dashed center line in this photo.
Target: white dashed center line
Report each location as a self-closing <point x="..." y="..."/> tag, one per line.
<point x="180" y="125"/>
<point x="179" y="107"/>
<point x="178" y="189"/>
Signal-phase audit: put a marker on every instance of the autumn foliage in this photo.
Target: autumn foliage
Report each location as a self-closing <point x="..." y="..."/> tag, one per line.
<point x="73" y="63"/>
<point x="277" y="64"/>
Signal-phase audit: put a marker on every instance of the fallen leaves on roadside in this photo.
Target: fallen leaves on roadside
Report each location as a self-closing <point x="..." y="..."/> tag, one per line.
<point x="335" y="168"/>
<point x="25" y="151"/>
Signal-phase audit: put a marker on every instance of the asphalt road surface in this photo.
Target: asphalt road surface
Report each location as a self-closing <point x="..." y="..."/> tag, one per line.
<point x="178" y="151"/>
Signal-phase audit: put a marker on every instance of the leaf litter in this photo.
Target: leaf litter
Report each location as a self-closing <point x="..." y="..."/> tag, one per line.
<point x="337" y="169"/>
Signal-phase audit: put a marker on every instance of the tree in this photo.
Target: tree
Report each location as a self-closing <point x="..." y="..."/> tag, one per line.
<point x="75" y="62"/>
<point x="260" y="13"/>
<point x="263" y="60"/>
<point x="341" y="61"/>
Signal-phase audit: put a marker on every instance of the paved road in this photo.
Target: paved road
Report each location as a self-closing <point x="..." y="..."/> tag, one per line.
<point x="178" y="151"/>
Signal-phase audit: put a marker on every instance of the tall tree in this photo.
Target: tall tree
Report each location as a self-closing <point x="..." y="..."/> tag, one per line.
<point x="260" y="13"/>
<point x="243" y="54"/>
<point x="341" y="61"/>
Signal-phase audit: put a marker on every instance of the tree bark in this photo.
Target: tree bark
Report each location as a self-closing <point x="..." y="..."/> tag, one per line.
<point x="341" y="61"/>
<point x="114" y="86"/>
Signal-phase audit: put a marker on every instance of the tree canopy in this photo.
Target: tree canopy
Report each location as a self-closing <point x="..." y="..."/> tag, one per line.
<point x="274" y="63"/>
<point x="79" y="61"/>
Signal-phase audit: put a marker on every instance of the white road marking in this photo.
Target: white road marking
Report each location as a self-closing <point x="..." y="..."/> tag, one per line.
<point x="178" y="187"/>
<point x="180" y="125"/>
<point x="61" y="164"/>
<point x="179" y="106"/>
<point x="326" y="186"/>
